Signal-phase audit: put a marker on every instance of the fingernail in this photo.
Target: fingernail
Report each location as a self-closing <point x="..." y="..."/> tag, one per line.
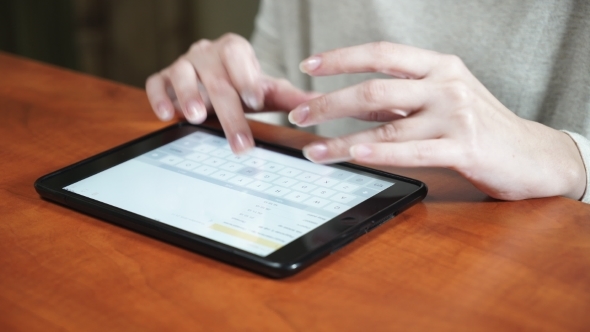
<point x="251" y="101"/>
<point x="299" y="115"/>
<point x="360" y="151"/>
<point x="401" y="113"/>
<point x="310" y="64"/>
<point x="195" y="112"/>
<point x="241" y="144"/>
<point x="163" y="112"/>
<point x="318" y="153"/>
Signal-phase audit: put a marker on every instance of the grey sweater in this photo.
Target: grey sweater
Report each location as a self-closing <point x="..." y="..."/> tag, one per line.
<point x="534" y="56"/>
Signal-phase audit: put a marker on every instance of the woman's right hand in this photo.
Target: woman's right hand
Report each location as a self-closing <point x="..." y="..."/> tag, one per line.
<point x="221" y="75"/>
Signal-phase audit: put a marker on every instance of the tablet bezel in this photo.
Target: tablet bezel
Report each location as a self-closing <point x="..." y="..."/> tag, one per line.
<point x="285" y="261"/>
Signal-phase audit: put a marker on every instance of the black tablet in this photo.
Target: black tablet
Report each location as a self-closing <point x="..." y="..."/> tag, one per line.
<point x="270" y="210"/>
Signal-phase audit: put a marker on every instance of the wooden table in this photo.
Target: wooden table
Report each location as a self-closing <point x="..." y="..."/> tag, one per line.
<point x="457" y="261"/>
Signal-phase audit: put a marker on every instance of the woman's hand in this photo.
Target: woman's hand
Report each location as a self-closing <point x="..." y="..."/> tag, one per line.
<point x="438" y="114"/>
<point x="223" y="75"/>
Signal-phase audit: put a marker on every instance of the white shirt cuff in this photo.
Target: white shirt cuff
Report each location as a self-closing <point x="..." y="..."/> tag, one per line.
<point x="584" y="146"/>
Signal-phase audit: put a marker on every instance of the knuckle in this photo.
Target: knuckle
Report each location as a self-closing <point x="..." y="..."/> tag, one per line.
<point x="453" y="64"/>
<point x="338" y="59"/>
<point x="388" y="132"/>
<point x="458" y="93"/>
<point x="340" y="146"/>
<point x="231" y="37"/>
<point x="382" y="48"/>
<point x="179" y="67"/>
<point x="423" y="153"/>
<point x="373" y="91"/>
<point x="199" y="46"/>
<point x="382" y="52"/>
<point x="376" y="116"/>
<point x="230" y="51"/>
<point x="321" y="105"/>
<point x="234" y="46"/>
<point x="464" y="117"/>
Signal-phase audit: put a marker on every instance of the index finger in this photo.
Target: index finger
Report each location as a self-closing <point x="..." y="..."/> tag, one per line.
<point x="383" y="57"/>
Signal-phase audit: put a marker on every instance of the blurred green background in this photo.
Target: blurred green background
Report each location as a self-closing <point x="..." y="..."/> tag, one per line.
<point x="122" y="40"/>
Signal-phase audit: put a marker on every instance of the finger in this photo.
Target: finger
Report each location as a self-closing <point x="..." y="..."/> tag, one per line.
<point x="185" y="83"/>
<point x="369" y="96"/>
<point x="228" y="107"/>
<point x="155" y="87"/>
<point x="403" y="130"/>
<point x="281" y="95"/>
<point x="383" y="116"/>
<point x="392" y="59"/>
<point x="172" y="95"/>
<point x="421" y="153"/>
<point x="243" y="69"/>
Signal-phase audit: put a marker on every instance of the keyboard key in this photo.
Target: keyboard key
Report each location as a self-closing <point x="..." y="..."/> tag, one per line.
<point x="346" y="187"/>
<point x="156" y="155"/>
<point x="221" y="153"/>
<point x="316" y="202"/>
<point x="303" y="186"/>
<point x="365" y="192"/>
<point x="277" y="191"/>
<point x="340" y="175"/>
<point x="241" y="180"/>
<point x="198" y="136"/>
<point x="171" y="160"/>
<point x="254" y="162"/>
<point x="213" y="161"/>
<point x="204" y="148"/>
<point x="266" y="176"/>
<point x="259" y="185"/>
<point x="222" y="175"/>
<point x="379" y="185"/>
<point x="290" y="172"/>
<point x="323" y="192"/>
<point x="187" y="143"/>
<point x="296" y="196"/>
<point x="343" y="197"/>
<point x="360" y="180"/>
<point x="204" y="170"/>
<point x="271" y="167"/>
<point x="285" y="181"/>
<point x="337" y="207"/>
<point x="187" y="165"/>
<point x="217" y="141"/>
<point x="196" y="156"/>
<point x="237" y="158"/>
<point x="173" y="149"/>
<point x="250" y="171"/>
<point x="232" y="167"/>
<point x="326" y="182"/>
<point x="308" y="177"/>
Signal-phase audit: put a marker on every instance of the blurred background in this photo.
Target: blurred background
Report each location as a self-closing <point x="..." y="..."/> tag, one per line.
<point x="122" y="40"/>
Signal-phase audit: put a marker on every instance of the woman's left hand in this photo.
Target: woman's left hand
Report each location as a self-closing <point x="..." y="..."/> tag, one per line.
<point x="438" y="114"/>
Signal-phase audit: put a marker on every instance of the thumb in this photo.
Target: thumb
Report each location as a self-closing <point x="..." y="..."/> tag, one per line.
<point x="281" y="95"/>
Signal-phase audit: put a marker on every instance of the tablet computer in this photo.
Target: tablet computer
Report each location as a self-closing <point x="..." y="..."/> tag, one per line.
<point x="270" y="210"/>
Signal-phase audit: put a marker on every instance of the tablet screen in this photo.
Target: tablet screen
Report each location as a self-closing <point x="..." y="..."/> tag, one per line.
<point x="257" y="202"/>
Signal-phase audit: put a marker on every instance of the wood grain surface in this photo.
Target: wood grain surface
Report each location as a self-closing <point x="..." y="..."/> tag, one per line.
<point x="457" y="261"/>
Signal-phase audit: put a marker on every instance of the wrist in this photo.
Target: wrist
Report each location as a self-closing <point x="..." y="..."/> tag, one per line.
<point x="580" y="173"/>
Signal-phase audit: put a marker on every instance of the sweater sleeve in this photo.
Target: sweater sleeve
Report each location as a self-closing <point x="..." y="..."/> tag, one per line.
<point x="266" y="43"/>
<point x="266" y="39"/>
<point x="584" y="146"/>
